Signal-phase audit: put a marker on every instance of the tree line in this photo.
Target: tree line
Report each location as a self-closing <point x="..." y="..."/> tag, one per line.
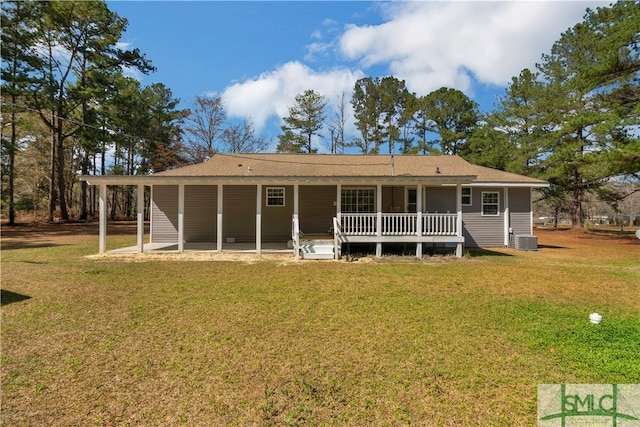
<point x="71" y="107"/>
<point x="573" y="121"/>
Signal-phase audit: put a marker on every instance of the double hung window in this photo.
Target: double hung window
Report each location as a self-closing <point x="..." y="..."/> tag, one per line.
<point x="466" y="196"/>
<point x="275" y="196"/>
<point x="356" y="200"/>
<point x="490" y="203"/>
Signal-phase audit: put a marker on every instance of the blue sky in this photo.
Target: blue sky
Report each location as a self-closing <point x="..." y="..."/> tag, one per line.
<point x="259" y="55"/>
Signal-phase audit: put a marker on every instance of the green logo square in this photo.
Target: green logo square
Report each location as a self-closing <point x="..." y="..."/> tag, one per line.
<point x="566" y="405"/>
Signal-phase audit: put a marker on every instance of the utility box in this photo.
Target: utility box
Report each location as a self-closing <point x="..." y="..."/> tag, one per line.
<point x="526" y="242"/>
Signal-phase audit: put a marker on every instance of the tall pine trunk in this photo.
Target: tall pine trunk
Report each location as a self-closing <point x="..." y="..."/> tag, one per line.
<point x="12" y="161"/>
<point x="52" y="173"/>
<point x="578" y="185"/>
<point x="62" y="193"/>
<point x="576" y="207"/>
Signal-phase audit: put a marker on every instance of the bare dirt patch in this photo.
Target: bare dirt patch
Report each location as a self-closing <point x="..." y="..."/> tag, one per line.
<point x="581" y="237"/>
<point x="41" y="234"/>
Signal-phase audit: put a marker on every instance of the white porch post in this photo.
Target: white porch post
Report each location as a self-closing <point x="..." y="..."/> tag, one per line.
<point x="296" y="195"/>
<point x="419" y="220"/>
<point x="258" y="218"/>
<point x="531" y="211"/>
<point x="379" y="220"/>
<point x="140" y="218"/>
<point x="506" y="216"/>
<point x="181" y="218"/>
<point x="219" y="218"/>
<point x="339" y="203"/>
<point x="459" y="219"/>
<point x="103" y="219"/>
<point x="337" y="244"/>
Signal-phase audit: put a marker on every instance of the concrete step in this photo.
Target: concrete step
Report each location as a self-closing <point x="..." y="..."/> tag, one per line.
<point x="314" y="255"/>
<point x="317" y="250"/>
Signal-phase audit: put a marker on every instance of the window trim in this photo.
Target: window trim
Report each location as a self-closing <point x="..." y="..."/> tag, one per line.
<point x="470" y="196"/>
<point x="342" y="204"/>
<point x="496" y="204"/>
<point x="406" y="199"/>
<point x="269" y="198"/>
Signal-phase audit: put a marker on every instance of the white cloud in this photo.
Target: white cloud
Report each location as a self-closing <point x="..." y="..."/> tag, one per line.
<point x="429" y="44"/>
<point x="272" y="93"/>
<point x="132" y="72"/>
<point x="433" y="44"/>
<point x="123" y="45"/>
<point x="318" y="50"/>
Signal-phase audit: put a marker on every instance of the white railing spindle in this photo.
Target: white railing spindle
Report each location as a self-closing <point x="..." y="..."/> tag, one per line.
<point x="399" y="224"/>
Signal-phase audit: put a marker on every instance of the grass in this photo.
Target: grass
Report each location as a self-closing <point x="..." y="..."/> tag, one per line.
<point x="102" y="341"/>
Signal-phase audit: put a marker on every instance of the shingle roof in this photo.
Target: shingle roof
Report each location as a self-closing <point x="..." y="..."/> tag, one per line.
<point x="488" y="175"/>
<point x="337" y="166"/>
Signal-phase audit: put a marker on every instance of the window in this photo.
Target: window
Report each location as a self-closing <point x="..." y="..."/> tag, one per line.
<point x="466" y="196"/>
<point x="412" y="200"/>
<point x="358" y="200"/>
<point x="490" y="203"/>
<point x="275" y="196"/>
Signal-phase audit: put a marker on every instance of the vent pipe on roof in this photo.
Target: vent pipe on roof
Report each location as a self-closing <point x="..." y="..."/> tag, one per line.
<point x="392" y="166"/>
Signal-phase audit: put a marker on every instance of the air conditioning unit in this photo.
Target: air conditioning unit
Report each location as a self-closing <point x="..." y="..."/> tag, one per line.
<point x="526" y="242"/>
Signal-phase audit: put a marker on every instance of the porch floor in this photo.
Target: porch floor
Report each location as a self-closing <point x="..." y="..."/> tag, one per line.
<point x="203" y="247"/>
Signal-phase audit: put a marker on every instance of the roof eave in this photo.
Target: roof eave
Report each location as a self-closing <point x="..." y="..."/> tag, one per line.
<point x="509" y="184"/>
<point x="167" y="180"/>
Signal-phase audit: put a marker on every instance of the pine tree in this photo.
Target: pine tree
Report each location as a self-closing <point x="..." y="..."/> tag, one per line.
<point x="305" y="120"/>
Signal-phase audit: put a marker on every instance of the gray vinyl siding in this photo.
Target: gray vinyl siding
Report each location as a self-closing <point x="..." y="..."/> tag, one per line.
<point x="276" y="220"/>
<point x="239" y="213"/>
<point x="317" y="208"/>
<point x="164" y="214"/>
<point x="316" y="211"/>
<point x="200" y="207"/>
<point x="483" y="231"/>
<point x="520" y="210"/>
<point x="441" y="199"/>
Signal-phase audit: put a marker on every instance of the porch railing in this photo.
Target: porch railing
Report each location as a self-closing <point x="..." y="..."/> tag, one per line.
<point x="399" y="224"/>
<point x="440" y="224"/>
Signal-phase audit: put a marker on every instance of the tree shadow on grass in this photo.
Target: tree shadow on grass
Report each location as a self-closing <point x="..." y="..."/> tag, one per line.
<point x="551" y="247"/>
<point x="6" y="246"/>
<point x="8" y="297"/>
<point x="479" y="252"/>
<point x="37" y="235"/>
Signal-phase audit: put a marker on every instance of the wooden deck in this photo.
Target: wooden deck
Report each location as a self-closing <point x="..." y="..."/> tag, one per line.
<point x="378" y="228"/>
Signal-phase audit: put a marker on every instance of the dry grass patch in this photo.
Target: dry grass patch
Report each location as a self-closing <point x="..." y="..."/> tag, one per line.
<point x="98" y="341"/>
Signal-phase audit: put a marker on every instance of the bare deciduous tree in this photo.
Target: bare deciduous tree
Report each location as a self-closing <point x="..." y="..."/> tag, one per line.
<point x="204" y="125"/>
<point x="241" y="138"/>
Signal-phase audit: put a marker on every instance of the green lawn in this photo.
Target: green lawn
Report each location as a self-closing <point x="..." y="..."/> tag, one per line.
<point x="106" y="341"/>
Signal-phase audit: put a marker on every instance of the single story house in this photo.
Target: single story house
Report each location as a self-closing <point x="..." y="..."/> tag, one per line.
<point x="316" y="204"/>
